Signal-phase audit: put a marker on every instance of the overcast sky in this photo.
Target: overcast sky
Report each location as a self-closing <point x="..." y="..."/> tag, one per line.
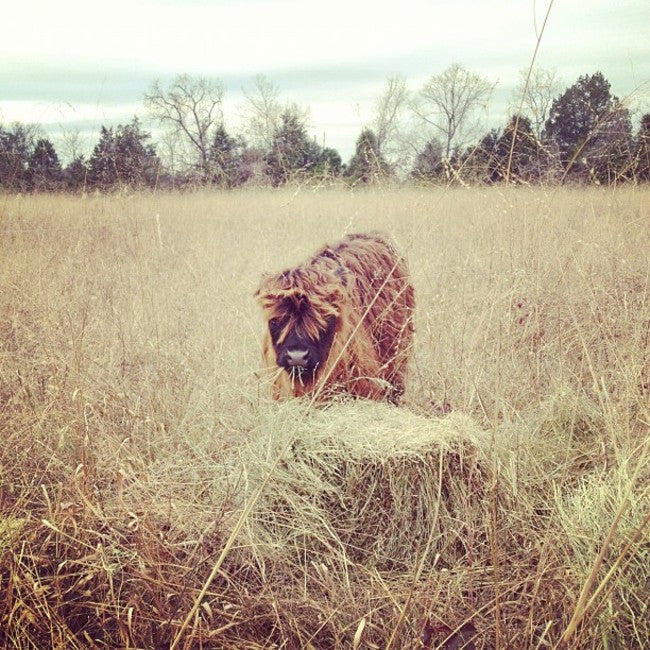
<point x="80" y="64"/>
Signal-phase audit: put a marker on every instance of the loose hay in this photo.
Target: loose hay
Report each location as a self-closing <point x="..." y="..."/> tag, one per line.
<point x="377" y="484"/>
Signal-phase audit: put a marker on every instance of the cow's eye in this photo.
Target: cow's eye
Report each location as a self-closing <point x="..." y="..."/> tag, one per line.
<point x="274" y="325"/>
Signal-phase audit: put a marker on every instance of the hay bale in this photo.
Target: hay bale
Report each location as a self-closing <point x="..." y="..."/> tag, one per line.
<point x="374" y="483"/>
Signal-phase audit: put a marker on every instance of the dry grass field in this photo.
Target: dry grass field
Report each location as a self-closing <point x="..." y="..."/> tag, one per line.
<point x="152" y="496"/>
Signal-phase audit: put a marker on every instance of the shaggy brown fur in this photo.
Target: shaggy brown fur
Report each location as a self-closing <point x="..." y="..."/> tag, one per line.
<point x="353" y="303"/>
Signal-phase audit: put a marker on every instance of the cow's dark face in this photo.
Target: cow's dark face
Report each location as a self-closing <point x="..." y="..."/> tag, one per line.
<point x="301" y="345"/>
<point x="303" y="308"/>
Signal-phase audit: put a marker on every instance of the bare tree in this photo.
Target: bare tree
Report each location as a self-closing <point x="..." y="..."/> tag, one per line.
<point x="263" y="110"/>
<point x="192" y="107"/>
<point x="535" y="99"/>
<point x="72" y="142"/>
<point x="391" y="123"/>
<point x="172" y="149"/>
<point x="448" y="102"/>
<point x="389" y="108"/>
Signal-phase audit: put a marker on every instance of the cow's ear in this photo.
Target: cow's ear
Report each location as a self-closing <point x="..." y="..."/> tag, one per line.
<point x="264" y="298"/>
<point x="262" y="292"/>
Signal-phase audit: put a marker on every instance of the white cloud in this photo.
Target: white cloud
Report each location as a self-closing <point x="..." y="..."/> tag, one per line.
<point x="332" y="56"/>
<point x="246" y="36"/>
<point x="63" y="113"/>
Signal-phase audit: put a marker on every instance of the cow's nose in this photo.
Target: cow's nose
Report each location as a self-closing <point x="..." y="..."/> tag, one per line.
<point x="296" y="358"/>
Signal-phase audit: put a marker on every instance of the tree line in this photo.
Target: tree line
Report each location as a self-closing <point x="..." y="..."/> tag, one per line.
<point x="582" y="134"/>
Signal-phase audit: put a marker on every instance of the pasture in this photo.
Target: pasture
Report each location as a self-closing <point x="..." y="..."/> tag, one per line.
<point x="151" y="495"/>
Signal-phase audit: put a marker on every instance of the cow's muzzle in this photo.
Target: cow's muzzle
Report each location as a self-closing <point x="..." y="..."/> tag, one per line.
<point x="295" y="358"/>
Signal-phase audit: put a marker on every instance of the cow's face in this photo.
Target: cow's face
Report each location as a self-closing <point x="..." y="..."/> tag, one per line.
<point x="302" y="325"/>
<point x="299" y="352"/>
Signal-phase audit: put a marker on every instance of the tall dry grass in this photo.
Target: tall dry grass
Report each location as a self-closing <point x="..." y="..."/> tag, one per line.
<point x="132" y="422"/>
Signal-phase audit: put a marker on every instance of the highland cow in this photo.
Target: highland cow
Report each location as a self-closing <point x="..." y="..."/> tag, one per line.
<point x="340" y="322"/>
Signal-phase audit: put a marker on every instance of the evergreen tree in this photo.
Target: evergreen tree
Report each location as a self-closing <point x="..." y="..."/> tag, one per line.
<point x="527" y="161"/>
<point x="642" y="150"/>
<point x="609" y="154"/>
<point x="367" y="164"/>
<point x="122" y="157"/>
<point x="292" y="153"/>
<point x="479" y="161"/>
<point x="75" y="175"/>
<point x="329" y="163"/>
<point x="428" y="165"/>
<point x="43" y="167"/>
<point x="102" y="166"/>
<point x="137" y="162"/>
<point x="225" y="159"/>
<point x="16" y="146"/>
<point x="590" y="129"/>
<point x="253" y="168"/>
